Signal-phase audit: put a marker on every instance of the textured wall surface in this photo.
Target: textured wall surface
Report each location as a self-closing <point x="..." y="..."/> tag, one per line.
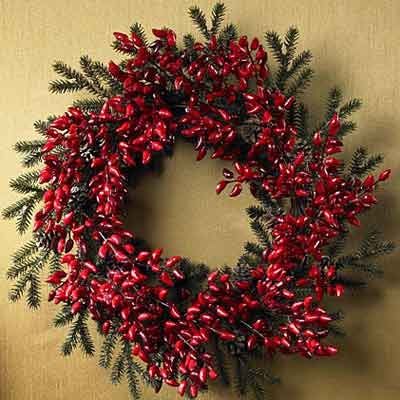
<point x="355" y="43"/>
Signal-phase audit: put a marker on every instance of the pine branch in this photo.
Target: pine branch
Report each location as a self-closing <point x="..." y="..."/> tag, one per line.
<point x="253" y="249"/>
<point x="240" y="382"/>
<point x="94" y="71"/>
<point x="300" y="119"/>
<point x="199" y="20"/>
<point x="26" y="250"/>
<point x="276" y="45"/>
<point x="78" y="334"/>
<point x="261" y="232"/>
<point x="55" y="263"/>
<point x="107" y="349"/>
<point x="346" y="127"/>
<point x="131" y="373"/>
<point x="300" y="61"/>
<point x="188" y="41"/>
<point x="22" y="210"/>
<point x="61" y="86"/>
<point x="28" y="146"/>
<point x="26" y="183"/>
<point x="349" y="108"/>
<point x="335" y="97"/>
<point x="217" y="17"/>
<point x="27" y="276"/>
<point x="118" y="368"/>
<point x="227" y="34"/>
<point x="255" y="212"/>
<point x="300" y="83"/>
<point x="291" y="39"/>
<point x="89" y="105"/>
<point x="64" y="317"/>
<point x="361" y="164"/>
<point x="221" y="362"/>
<point x="139" y="31"/>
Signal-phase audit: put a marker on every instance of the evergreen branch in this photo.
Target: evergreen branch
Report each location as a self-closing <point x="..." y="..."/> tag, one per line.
<point x="261" y="232"/>
<point x="107" y="349"/>
<point x="32" y="159"/>
<point x="300" y="83"/>
<point x="334" y="99"/>
<point x="28" y="146"/>
<point x="188" y="41"/>
<point x="139" y="31"/>
<point x="276" y="45"/>
<point x="291" y="39"/>
<point x="227" y="34"/>
<point x="89" y="105"/>
<point x="255" y="212"/>
<point x="199" y="20"/>
<point x="346" y="127"/>
<point x="240" y="382"/>
<point x="78" y="334"/>
<point x="118" y="368"/>
<point x="300" y="119"/>
<point x="64" y="316"/>
<point x="93" y="71"/>
<point x="350" y="107"/>
<point x="33" y="295"/>
<point x="253" y="249"/>
<point x="85" y="339"/>
<point x="26" y="183"/>
<point x="54" y="263"/>
<point x="131" y="373"/>
<point x="27" y="279"/>
<point x="61" y="86"/>
<point x="300" y="61"/>
<point x="22" y="210"/>
<point x="217" y="17"/>
<point x="221" y="362"/>
<point x="41" y="127"/>
<point x="361" y="164"/>
<point x="26" y="250"/>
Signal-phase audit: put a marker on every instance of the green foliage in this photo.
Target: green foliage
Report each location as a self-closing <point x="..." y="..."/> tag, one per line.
<point x="27" y="265"/>
<point x="217" y="17"/>
<point x="95" y="72"/>
<point x="241" y="375"/>
<point x="89" y="104"/>
<point x="228" y="33"/>
<point x="22" y="210"/>
<point x="221" y="361"/>
<point x="349" y="108"/>
<point x="199" y="19"/>
<point x="78" y="334"/>
<point x="107" y="349"/>
<point x="27" y="146"/>
<point x="258" y="380"/>
<point x="73" y="80"/>
<point x="335" y="98"/>
<point x="139" y="31"/>
<point x="293" y="75"/>
<point x="64" y="317"/>
<point x="26" y="183"/>
<point x="363" y="260"/>
<point x="361" y="163"/>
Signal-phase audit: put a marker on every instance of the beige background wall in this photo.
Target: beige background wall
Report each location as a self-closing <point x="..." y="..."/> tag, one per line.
<point x="355" y="43"/>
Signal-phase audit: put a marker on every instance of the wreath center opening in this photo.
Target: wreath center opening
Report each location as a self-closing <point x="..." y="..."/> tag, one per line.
<point x="175" y="207"/>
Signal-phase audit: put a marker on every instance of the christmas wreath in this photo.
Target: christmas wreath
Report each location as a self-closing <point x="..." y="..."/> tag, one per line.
<point x="183" y="321"/>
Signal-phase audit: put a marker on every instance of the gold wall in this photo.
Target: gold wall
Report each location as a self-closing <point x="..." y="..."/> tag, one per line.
<point x="356" y="45"/>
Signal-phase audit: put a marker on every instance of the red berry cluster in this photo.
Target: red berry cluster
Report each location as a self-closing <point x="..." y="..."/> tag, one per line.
<point x="204" y="94"/>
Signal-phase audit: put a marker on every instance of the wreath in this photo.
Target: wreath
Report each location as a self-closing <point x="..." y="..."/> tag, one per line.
<point x="183" y="321"/>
